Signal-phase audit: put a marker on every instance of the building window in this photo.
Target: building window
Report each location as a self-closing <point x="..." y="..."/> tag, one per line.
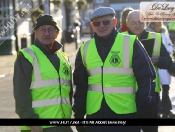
<point x="6" y="16"/>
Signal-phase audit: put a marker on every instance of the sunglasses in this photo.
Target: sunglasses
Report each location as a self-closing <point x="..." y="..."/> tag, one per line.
<point x="105" y="22"/>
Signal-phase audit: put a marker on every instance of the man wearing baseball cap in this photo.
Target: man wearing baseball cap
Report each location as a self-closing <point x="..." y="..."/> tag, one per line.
<point x="42" y="79"/>
<point x="107" y="68"/>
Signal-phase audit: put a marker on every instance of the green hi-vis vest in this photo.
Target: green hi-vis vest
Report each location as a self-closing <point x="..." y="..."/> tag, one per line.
<point x="156" y="51"/>
<point x="114" y="79"/>
<point x="171" y="26"/>
<point x="49" y="88"/>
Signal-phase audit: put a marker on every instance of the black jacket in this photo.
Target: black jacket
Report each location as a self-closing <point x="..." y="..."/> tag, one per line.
<point x="143" y="71"/>
<point x="165" y="60"/>
<point x="22" y="80"/>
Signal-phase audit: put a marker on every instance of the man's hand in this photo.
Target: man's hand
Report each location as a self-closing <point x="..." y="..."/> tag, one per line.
<point x="154" y="59"/>
<point x="36" y="129"/>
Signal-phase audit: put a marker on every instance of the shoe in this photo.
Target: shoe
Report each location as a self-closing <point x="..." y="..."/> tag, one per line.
<point x="169" y="116"/>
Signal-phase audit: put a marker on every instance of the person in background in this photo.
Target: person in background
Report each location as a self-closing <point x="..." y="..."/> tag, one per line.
<point x="105" y="75"/>
<point x="124" y="14"/>
<point x="164" y="75"/>
<point x="171" y="29"/>
<point x="160" y="57"/>
<point x="42" y="79"/>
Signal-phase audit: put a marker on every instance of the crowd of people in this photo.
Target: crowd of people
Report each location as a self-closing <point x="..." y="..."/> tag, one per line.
<point x="114" y="75"/>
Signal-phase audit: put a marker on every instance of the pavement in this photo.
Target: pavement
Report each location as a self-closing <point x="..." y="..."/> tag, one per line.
<point x="7" y="109"/>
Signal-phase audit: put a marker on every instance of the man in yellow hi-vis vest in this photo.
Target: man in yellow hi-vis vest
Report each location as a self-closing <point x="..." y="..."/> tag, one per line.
<point x="165" y="77"/>
<point x="160" y="57"/>
<point x="107" y="68"/>
<point x="42" y="79"/>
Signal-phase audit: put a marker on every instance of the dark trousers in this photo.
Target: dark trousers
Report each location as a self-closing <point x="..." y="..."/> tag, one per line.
<point x="54" y="129"/>
<point x="106" y="113"/>
<point x="153" y="128"/>
<point x="166" y="102"/>
<point x="149" y="128"/>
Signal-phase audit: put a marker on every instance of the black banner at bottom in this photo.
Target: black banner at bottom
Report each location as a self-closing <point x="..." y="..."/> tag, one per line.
<point x="87" y="122"/>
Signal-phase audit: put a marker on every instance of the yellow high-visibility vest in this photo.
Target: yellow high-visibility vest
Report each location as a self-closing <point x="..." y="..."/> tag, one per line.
<point x="156" y="51"/>
<point x="49" y="88"/>
<point x="114" y="79"/>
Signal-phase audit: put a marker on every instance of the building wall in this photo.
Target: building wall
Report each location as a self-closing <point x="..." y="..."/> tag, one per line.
<point x="100" y="3"/>
<point x="7" y="27"/>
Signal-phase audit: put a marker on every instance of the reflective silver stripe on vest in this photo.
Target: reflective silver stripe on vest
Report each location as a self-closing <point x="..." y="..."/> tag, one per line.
<point x="44" y="83"/>
<point x="110" y="71"/>
<point x="155" y="42"/>
<point x="39" y="82"/>
<point x="85" y="51"/>
<point x="124" y="90"/>
<point x="35" y="65"/>
<point x="65" y="82"/>
<point x="49" y="102"/>
<point x="126" y="51"/>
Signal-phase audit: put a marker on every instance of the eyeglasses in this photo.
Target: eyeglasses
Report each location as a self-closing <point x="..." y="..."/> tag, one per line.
<point x="105" y="22"/>
<point x="50" y="31"/>
<point x="135" y="23"/>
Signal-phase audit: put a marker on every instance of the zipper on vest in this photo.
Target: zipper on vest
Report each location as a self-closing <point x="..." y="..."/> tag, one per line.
<point x="102" y="80"/>
<point x="105" y="127"/>
<point x="63" y="114"/>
